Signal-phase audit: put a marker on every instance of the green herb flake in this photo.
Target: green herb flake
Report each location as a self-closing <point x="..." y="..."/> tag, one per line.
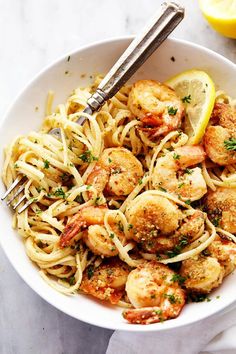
<point x="72" y="280"/>
<point x="112" y="235"/>
<point x="16" y="166"/>
<point x="109" y="160"/>
<point x="90" y="271"/>
<point x="188" y="201"/>
<point x="130" y="226"/>
<point x="120" y="226"/>
<point x="186" y="99"/>
<point x="230" y="144"/>
<point x="87" y="157"/>
<point x="176" y="156"/>
<point x="60" y="193"/>
<point x="181" y="185"/>
<point x="96" y="202"/>
<point x="218" y="296"/>
<point x="162" y="189"/>
<point x="188" y="171"/>
<point x="46" y="164"/>
<point x="178" y="278"/>
<point x="172" y="111"/>
<point x="140" y="181"/>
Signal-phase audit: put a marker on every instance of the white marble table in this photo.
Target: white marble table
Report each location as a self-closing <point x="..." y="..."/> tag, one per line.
<point x="32" y="34"/>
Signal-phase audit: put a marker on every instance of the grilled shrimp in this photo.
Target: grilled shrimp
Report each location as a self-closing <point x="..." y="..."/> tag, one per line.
<point x="221" y="131"/>
<point x="202" y="274"/>
<point x="107" y="281"/>
<point x="158" y="225"/>
<point x="153" y="291"/>
<point x="157" y="106"/>
<point x="86" y="216"/>
<point x="172" y="173"/>
<point x="221" y="208"/>
<point x="117" y="172"/>
<point x="225" y="252"/>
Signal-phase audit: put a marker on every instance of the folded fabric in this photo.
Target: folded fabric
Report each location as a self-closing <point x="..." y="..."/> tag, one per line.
<point x="215" y="335"/>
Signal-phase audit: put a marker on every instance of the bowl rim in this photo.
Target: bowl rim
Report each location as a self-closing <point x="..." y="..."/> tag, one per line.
<point x="129" y="328"/>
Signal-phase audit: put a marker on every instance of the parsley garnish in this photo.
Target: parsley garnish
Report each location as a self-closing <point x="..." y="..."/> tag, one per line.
<point x="46" y="164"/>
<point x="59" y="193"/>
<point x="178" y="248"/>
<point x="188" y="171"/>
<point x="181" y="185"/>
<point x="186" y="99"/>
<point x="188" y="201"/>
<point x="172" y="111"/>
<point x="90" y="271"/>
<point x="172" y="298"/>
<point x="162" y="189"/>
<point x="120" y="226"/>
<point x="130" y="226"/>
<point x="216" y="221"/>
<point x="96" y="202"/>
<point x="230" y="144"/>
<point x="176" y="156"/>
<point x="112" y="235"/>
<point x="140" y="181"/>
<point x="178" y="278"/>
<point x="72" y="280"/>
<point x="87" y="156"/>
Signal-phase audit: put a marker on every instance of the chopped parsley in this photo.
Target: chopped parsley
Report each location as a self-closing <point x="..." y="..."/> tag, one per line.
<point x="109" y="160"/>
<point x="188" y="171"/>
<point x="172" y="298"/>
<point x="130" y="226"/>
<point x="120" y="226"/>
<point x="178" y="278"/>
<point x="60" y="193"/>
<point x="176" y="156"/>
<point x="181" y="185"/>
<point x="112" y="235"/>
<point x="16" y="166"/>
<point x="90" y="271"/>
<point x="172" y="111"/>
<point x="230" y="144"/>
<point x="96" y="202"/>
<point x="186" y="99"/>
<point x="197" y="297"/>
<point x="162" y="189"/>
<point x="140" y="181"/>
<point x="216" y="221"/>
<point x="46" y="164"/>
<point x="188" y="201"/>
<point x="87" y="156"/>
<point x="178" y="248"/>
<point x="72" y="280"/>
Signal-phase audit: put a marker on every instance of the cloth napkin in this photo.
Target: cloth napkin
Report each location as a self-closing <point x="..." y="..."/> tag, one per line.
<point x="215" y="335"/>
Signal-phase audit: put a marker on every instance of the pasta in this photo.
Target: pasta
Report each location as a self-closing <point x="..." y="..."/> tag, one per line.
<point x="80" y="199"/>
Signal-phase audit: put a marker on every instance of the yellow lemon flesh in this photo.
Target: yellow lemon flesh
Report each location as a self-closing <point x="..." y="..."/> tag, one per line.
<point x="197" y="91"/>
<point x="221" y="15"/>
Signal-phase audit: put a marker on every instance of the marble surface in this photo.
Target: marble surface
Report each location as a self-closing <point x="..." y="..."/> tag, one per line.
<point x="33" y="34"/>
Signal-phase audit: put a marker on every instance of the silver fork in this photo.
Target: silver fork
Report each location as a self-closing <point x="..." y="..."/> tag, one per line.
<point x="163" y="23"/>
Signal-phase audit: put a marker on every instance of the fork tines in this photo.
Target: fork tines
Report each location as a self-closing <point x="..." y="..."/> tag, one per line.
<point x="19" y="182"/>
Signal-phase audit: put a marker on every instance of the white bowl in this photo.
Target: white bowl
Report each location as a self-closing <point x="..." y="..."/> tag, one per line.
<point x="22" y="118"/>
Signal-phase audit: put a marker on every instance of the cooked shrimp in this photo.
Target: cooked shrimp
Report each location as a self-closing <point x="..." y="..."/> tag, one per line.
<point x="202" y="273"/>
<point x="172" y="173"/>
<point x="117" y="172"/>
<point x="221" y="208"/>
<point x="157" y="106"/>
<point x="107" y="281"/>
<point x="157" y="223"/>
<point x="225" y="252"/>
<point x="221" y="130"/>
<point x="99" y="242"/>
<point x="153" y="291"/>
<point x="87" y="216"/>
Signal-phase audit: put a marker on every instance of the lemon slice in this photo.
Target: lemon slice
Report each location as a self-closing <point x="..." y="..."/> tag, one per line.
<point x="197" y="91"/>
<point x="221" y="15"/>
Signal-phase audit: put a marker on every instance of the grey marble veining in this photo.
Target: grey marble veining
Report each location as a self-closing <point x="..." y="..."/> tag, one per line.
<point x="33" y="34"/>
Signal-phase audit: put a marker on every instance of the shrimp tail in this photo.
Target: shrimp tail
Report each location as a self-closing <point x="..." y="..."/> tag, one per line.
<point x="145" y="315"/>
<point x="71" y="230"/>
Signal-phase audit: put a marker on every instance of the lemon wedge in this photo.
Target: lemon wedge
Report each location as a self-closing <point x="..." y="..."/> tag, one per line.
<point x="197" y="91"/>
<point x="221" y="15"/>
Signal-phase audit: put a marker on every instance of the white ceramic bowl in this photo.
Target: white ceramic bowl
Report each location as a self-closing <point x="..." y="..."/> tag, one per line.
<point x="22" y="118"/>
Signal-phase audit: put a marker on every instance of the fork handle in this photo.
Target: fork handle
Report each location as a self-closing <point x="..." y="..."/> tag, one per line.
<point x="140" y="49"/>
